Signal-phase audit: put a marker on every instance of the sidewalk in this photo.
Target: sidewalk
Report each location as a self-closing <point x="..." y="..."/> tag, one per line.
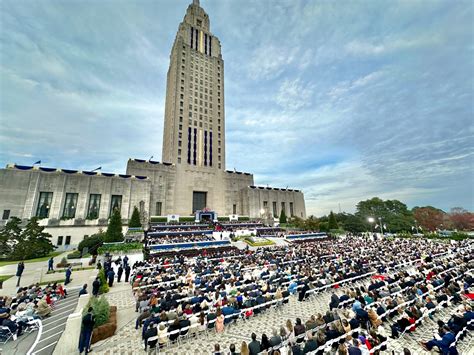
<point x="36" y="272"/>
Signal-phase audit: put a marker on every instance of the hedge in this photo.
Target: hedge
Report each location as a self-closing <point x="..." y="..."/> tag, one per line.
<point x="223" y="219"/>
<point x="159" y="219"/>
<point x="104" y="286"/>
<point x="244" y="218"/>
<point x="119" y="247"/>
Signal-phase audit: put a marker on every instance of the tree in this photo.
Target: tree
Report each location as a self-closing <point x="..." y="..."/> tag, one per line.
<point x="282" y="216"/>
<point x="114" y="229"/>
<point x="395" y="214"/>
<point x="461" y="219"/>
<point x="10" y="233"/>
<point x="92" y="243"/>
<point x="32" y="242"/>
<point x="134" y="221"/>
<point x="353" y="223"/>
<point x="323" y="227"/>
<point x="311" y="224"/>
<point x="429" y="217"/>
<point x="332" y="223"/>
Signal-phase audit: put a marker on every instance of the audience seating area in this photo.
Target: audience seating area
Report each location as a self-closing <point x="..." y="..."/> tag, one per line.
<point x="382" y="291"/>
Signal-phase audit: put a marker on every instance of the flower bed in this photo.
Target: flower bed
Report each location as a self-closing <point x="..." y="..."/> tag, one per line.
<point x="107" y="329"/>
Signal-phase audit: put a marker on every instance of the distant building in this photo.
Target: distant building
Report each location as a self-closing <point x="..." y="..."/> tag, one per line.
<point x="74" y="204"/>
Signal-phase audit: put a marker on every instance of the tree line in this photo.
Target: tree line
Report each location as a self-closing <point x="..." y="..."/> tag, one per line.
<point x="394" y="217"/>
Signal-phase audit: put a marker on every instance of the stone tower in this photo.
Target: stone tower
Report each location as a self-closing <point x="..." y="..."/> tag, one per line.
<point x="194" y="129"/>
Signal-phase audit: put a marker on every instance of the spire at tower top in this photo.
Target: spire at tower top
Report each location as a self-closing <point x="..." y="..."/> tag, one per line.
<point x="196" y="2"/>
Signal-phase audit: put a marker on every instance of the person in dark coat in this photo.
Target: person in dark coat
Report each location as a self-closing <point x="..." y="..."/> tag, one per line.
<point x="88" y="322"/>
<point x="125" y="261"/>
<point x="19" y="271"/>
<point x="68" y="275"/>
<point x="83" y="291"/>
<point x="119" y="273"/>
<point x="254" y="345"/>
<point x="110" y="276"/>
<point x="50" y="264"/>
<point x="127" y="272"/>
<point x="96" y="287"/>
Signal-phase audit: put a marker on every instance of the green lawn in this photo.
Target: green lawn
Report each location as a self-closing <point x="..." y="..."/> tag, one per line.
<point x="59" y="281"/>
<point x="5" y="277"/>
<point x="44" y="258"/>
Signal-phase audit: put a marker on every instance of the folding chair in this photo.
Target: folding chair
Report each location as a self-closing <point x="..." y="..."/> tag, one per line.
<point x="5" y="334"/>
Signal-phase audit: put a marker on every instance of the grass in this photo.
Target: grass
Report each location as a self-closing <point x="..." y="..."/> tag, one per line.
<point x="5" y="277"/>
<point x="44" y="258"/>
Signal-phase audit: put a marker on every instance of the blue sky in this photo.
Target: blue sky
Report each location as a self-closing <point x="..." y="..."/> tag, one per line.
<point x="344" y="100"/>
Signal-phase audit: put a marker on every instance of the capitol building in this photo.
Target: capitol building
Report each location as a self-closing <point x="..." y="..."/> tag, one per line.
<point x="191" y="176"/>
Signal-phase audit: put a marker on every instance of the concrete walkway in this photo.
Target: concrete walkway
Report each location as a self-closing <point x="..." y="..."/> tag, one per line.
<point x="37" y="272"/>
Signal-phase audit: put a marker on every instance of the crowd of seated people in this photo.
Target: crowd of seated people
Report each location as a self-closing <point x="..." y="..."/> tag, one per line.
<point x="30" y="303"/>
<point x="356" y="327"/>
<point x="172" y="239"/>
<point x="233" y="285"/>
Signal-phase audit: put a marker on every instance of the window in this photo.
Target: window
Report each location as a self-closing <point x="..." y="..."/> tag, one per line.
<point x="6" y="214"/>
<point x="70" y="205"/>
<point x="60" y="240"/>
<point x="291" y="209"/>
<point x="116" y="203"/>
<point x="158" y="208"/>
<point x="283" y="207"/>
<point x="234" y="209"/>
<point x="94" y="206"/>
<point x="265" y="204"/>
<point x="275" y="212"/>
<point x="44" y="204"/>
<point x="68" y="240"/>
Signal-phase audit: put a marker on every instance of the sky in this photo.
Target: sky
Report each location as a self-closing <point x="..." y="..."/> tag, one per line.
<point x="345" y="100"/>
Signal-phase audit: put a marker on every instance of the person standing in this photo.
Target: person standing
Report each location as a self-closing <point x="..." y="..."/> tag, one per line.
<point x="96" y="287"/>
<point x="50" y="264"/>
<point x="110" y="276"/>
<point x="127" y="272"/>
<point x="119" y="273"/>
<point x="68" y="275"/>
<point x="88" y="322"/>
<point x="19" y="272"/>
<point x="125" y="261"/>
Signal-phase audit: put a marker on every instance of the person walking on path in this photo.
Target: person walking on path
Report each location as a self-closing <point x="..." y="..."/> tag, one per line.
<point x="68" y="275"/>
<point x="19" y="272"/>
<point x="110" y="276"/>
<point x="50" y="264"/>
<point x="88" y="322"/>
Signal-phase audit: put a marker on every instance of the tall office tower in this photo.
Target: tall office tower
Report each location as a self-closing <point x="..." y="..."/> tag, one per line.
<point x="194" y="129"/>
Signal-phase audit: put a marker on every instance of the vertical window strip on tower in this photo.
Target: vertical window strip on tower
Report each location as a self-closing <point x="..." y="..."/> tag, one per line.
<point x="210" y="45"/>
<point x="194" y="152"/>
<point x="205" y="43"/>
<point x="192" y="36"/>
<point x="210" y="148"/>
<point x="205" y="148"/>
<point x="197" y="39"/>
<point x="189" y="145"/>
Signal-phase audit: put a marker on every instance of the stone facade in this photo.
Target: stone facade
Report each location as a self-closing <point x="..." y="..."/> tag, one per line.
<point x="192" y="175"/>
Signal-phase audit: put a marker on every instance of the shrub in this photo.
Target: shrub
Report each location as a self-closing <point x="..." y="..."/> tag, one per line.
<point x="134" y="221"/>
<point x="104" y="286"/>
<point x="119" y="247"/>
<point x="101" y="310"/>
<point x="244" y="218"/>
<point x="114" y="229"/>
<point x="187" y="219"/>
<point x="223" y="219"/>
<point x="159" y="219"/>
<point x="74" y="255"/>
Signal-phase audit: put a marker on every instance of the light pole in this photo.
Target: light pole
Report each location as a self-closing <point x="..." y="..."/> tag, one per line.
<point x="371" y="220"/>
<point x="381" y="225"/>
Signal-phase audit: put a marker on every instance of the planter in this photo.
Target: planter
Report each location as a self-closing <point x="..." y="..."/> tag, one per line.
<point x="106" y="330"/>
